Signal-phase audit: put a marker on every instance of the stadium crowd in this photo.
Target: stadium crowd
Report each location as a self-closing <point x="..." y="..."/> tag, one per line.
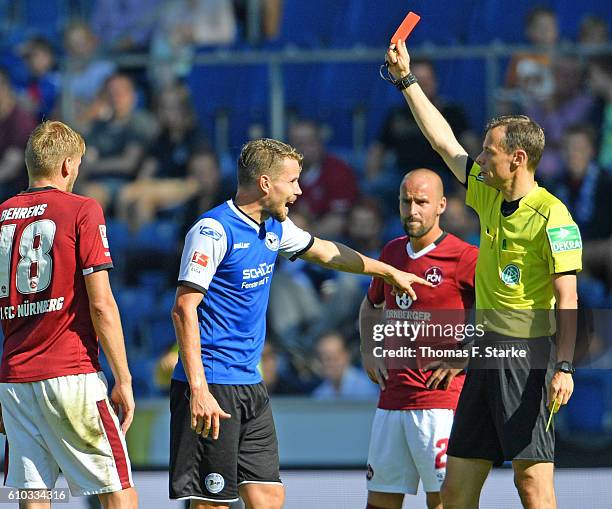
<point x="153" y="167"/>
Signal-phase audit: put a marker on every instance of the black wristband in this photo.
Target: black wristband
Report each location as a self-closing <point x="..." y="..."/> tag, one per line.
<point x="565" y="367"/>
<point x="406" y="81"/>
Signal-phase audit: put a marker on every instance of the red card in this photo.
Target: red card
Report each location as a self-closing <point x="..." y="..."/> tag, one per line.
<point x="406" y="27"/>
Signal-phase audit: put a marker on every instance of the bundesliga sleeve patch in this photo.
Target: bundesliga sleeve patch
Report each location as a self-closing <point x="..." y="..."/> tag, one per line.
<point x="199" y="258"/>
<point x="564" y="238"/>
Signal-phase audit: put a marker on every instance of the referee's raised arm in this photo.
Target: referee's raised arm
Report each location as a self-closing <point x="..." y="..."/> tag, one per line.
<point x="431" y="122"/>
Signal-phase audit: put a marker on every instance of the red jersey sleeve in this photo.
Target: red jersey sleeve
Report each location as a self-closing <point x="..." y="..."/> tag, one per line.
<point x="93" y="249"/>
<point x="466" y="269"/>
<point x="376" y="291"/>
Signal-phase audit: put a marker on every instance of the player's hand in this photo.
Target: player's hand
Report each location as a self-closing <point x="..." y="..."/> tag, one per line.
<point x="560" y="389"/>
<point x="402" y="283"/>
<point x="375" y="369"/>
<point x="442" y="375"/>
<point x="206" y="414"/>
<point x="398" y="60"/>
<point x="122" y="399"/>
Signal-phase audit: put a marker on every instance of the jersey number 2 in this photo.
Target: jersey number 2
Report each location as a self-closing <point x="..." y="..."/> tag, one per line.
<point x="441" y="444"/>
<point x="35" y="266"/>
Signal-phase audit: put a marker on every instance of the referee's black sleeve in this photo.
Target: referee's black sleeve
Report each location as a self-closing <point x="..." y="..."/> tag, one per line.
<point x="468" y="167"/>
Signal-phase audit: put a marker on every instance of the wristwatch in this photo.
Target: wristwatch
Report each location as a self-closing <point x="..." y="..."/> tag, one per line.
<point x="565" y="367"/>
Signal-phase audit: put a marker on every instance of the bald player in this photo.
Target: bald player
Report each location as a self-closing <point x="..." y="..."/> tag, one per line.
<point x="416" y="406"/>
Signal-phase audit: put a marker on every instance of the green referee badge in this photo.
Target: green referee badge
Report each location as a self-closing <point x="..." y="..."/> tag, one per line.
<point x="511" y="275"/>
<point x="564" y="238"/>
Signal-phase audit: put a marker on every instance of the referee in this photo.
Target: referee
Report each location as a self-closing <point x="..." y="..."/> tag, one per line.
<point x="530" y="251"/>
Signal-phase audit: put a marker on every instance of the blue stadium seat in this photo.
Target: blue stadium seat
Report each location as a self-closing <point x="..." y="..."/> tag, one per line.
<point x="569" y="21"/>
<point x="165" y="303"/>
<point x="143" y="376"/>
<point x="136" y="305"/>
<point x="311" y="24"/>
<point x="464" y="81"/>
<point x="118" y="235"/>
<point x="142" y="371"/>
<point x="366" y="23"/>
<point x="44" y="17"/>
<point x="393" y="229"/>
<point x="159" y="236"/>
<point x="330" y="93"/>
<point x="241" y="92"/>
<point x="591" y="292"/>
<point x="152" y="280"/>
<point x="486" y="25"/>
<point x="589" y="406"/>
<point x="159" y="335"/>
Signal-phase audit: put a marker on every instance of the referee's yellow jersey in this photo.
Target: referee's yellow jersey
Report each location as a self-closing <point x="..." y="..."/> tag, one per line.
<point x="518" y="256"/>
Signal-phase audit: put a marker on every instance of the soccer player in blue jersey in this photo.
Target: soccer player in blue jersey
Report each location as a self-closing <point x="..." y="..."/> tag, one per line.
<point x="219" y="317"/>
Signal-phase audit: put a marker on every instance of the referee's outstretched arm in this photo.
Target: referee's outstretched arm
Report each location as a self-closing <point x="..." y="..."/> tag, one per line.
<point x="431" y="122"/>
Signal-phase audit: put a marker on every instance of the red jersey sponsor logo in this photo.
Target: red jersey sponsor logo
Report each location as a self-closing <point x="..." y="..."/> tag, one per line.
<point x="199" y="258"/>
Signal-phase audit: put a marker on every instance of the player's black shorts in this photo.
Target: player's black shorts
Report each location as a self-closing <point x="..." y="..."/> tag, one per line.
<point x="246" y="450"/>
<point x="502" y="413"/>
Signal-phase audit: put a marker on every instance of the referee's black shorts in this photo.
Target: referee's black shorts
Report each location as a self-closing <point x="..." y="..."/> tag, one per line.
<point x="246" y="450"/>
<point x="502" y="413"/>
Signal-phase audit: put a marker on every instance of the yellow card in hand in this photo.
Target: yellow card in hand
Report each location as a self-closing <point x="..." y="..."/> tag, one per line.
<point x="553" y="411"/>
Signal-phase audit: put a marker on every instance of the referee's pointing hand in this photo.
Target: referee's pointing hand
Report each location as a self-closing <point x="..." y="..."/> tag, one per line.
<point x="206" y="414"/>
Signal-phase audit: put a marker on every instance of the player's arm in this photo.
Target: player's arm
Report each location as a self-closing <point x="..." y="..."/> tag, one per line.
<point x="337" y="256"/>
<point x="369" y="316"/>
<point x="204" y="249"/>
<point x="431" y="122"/>
<point x="566" y="295"/>
<point x="107" y="324"/>
<point x="185" y="320"/>
<point x="205" y="411"/>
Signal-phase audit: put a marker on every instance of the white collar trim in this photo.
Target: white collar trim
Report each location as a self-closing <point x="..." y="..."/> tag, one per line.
<point x="420" y="253"/>
<point x="242" y="216"/>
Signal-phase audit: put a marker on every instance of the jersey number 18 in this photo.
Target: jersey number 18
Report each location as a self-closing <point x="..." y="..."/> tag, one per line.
<point x="35" y="266"/>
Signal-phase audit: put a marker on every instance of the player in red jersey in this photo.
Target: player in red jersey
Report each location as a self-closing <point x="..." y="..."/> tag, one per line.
<point x="416" y="406"/>
<point x="55" y="301"/>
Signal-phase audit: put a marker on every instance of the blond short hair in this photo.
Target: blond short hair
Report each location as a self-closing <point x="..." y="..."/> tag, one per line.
<point x="50" y="143"/>
<point x="259" y="157"/>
